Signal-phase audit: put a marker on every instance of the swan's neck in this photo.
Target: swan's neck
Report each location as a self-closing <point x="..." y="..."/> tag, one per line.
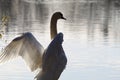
<point x="53" y="27"/>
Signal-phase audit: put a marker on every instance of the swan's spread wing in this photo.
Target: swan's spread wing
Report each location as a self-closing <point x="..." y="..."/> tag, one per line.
<point x="27" y="47"/>
<point x="12" y="50"/>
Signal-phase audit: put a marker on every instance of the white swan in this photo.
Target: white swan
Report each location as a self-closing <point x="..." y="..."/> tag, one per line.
<point x="28" y="47"/>
<point x="53" y="61"/>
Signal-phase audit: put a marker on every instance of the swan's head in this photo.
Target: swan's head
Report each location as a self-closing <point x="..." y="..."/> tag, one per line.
<point x="58" y="15"/>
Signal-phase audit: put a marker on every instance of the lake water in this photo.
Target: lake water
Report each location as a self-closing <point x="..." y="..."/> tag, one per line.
<point x="91" y="46"/>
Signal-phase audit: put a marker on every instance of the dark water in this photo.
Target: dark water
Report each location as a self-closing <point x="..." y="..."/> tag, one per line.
<point x="91" y="36"/>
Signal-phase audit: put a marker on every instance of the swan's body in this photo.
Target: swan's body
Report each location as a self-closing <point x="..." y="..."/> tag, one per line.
<point x="31" y="50"/>
<point x="53" y="60"/>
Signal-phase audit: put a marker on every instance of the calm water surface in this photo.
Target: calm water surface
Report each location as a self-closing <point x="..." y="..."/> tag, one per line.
<point x="92" y="49"/>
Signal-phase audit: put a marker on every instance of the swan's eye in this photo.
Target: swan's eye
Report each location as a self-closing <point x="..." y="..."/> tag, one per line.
<point x="61" y="15"/>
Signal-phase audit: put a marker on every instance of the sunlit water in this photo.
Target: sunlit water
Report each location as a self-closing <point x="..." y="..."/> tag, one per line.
<point x="92" y="49"/>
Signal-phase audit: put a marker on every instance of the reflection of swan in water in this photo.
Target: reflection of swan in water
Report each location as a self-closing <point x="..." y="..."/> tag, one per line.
<point x="28" y="47"/>
<point x="53" y="60"/>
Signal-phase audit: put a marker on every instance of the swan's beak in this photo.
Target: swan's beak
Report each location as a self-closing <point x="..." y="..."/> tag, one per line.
<point x="63" y="18"/>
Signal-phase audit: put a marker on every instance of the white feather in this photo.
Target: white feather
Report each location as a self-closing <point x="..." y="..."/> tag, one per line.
<point x="27" y="47"/>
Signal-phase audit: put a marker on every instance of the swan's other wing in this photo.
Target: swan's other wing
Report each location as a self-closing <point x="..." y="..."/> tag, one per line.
<point x="54" y="56"/>
<point x="54" y="60"/>
<point x="27" y="47"/>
